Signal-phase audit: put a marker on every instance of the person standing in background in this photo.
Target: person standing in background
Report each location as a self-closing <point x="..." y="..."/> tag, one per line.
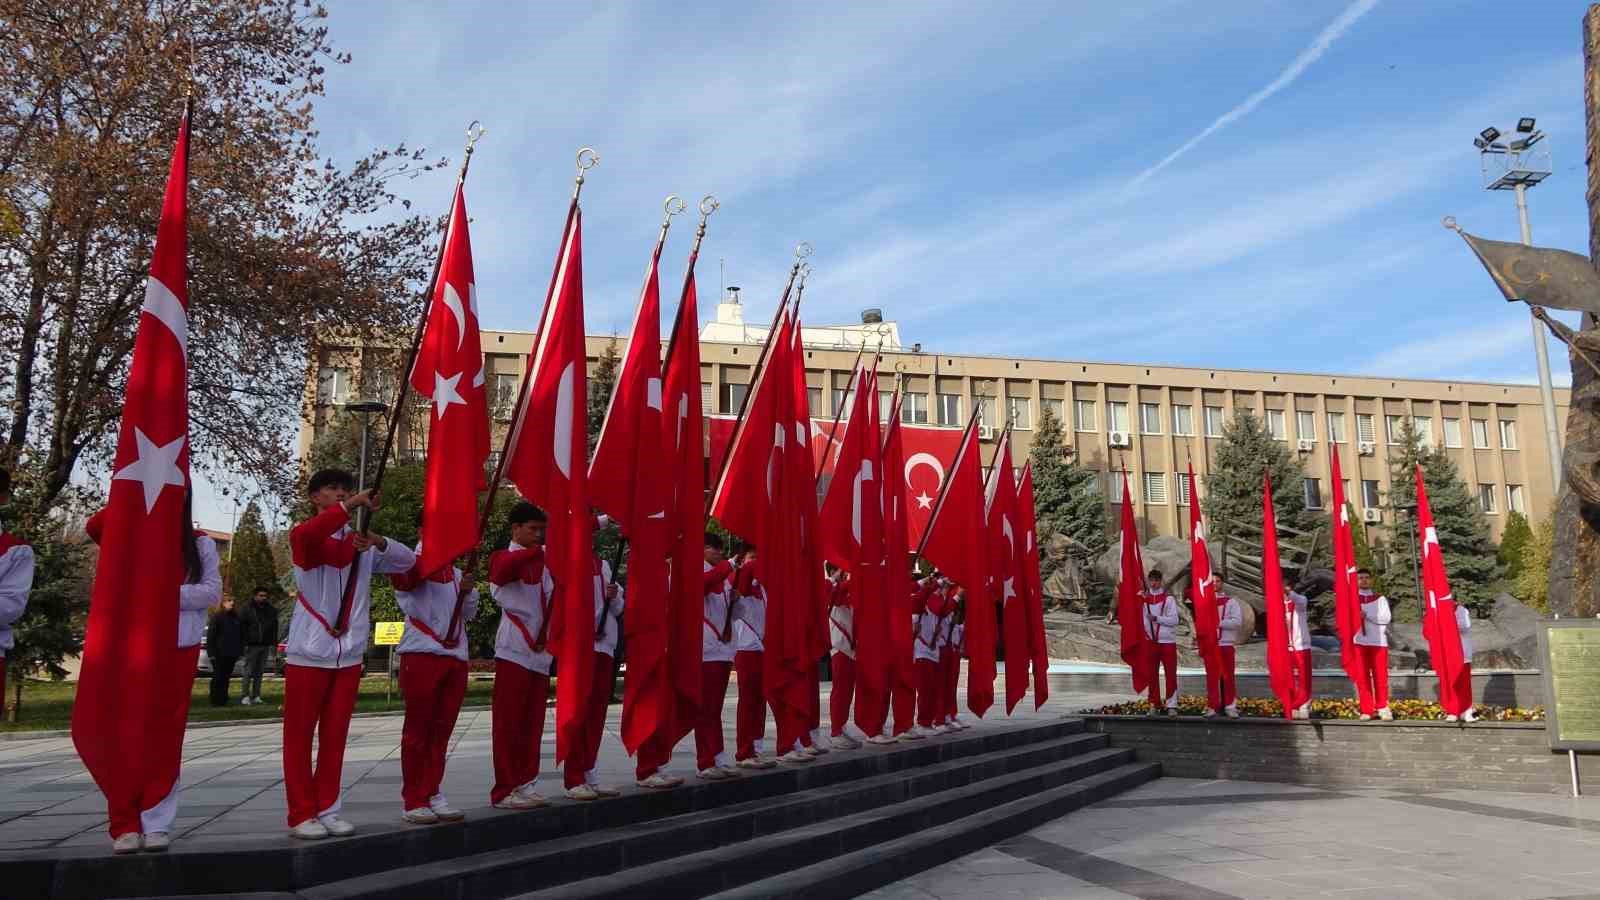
<point x="260" y="621"/>
<point x="16" y="581"/>
<point x="224" y="645"/>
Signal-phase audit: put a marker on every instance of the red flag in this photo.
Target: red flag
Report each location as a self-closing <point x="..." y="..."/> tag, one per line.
<point x="897" y="568"/>
<point x="1439" y="623"/>
<point x="1130" y="604"/>
<point x="630" y="480"/>
<point x="133" y="610"/>
<point x="802" y="472"/>
<point x="1346" y="587"/>
<point x="449" y="370"/>
<point x="545" y="459"/>
<point x="1006" y="536"/>
<point x="1032" y="586"/>
<point x="1280" y="661"/>
<point x="1202" y="583"/>
<point x="957" y="542"/>
<point x="686" y="518"/>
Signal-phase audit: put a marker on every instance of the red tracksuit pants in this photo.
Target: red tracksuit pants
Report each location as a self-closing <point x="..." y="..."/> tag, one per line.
<point x="1372" y="683"/>
<point x="1221" y="690"/>
<point x="1166" y="657"/>
<point x="708" y="730"/>
<point x="930" y="692"/>
<point x="950" y="676"/>
<point x="843" y="667"/>
<point x="576" y="768"/>
<point x="1302" y="685"/>
<point x="433" y="686"/>
<point x="751" y="716"/>
<point x="168" y="746"/>
<point x="521" y="696"/>
<point x="315" y="701"/>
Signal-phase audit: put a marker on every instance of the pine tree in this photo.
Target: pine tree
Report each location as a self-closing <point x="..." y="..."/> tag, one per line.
<point x="250" y="563"/>
<point x="1512" y="543"/>
<point x="601" y="383"/>
<point x="1067" y="499"/>
<point x="1469" y="554"/>
<point x="1233" y="490"/>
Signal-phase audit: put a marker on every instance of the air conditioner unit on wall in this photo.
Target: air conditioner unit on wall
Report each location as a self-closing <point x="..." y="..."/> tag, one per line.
<point x="1366" y="448"/>
<point x="1120" y="439"/>
<point x="1372" y="515"/>
<point x="1306" y="445"/>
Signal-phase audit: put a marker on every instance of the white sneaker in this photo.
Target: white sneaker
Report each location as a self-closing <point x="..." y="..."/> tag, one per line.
<point x="815" y="750"/>
<point x="519" y="800"/>
<point x="1231" y="711"/>
<point x="924" y="731"/>
<point x="582" y="793"/>
<point x="855" y="734"/>
<point x="796" y="757"/>
<point x="127" y="843"/>
<point x="309" y="830"/>
<point x="442" y="808"/>
<point x="1386" y="714"/>
<point x="604" y="791"/>
<point x="881" y="739"/>
<point x="714" y="774"/>
<point x="336" y="826"/>
<point x="757" y="762"/>
<point x="660" y="782"/>
<point x="157" y="842"/>
<point x="842" y="742"/>
<point x="960" y="723"/>
<point x="1209" y="713"/>
<point x="1471" y="715"/>
<point x="1452" y="718"/>
<point x="1366" y="718"/>
<point x="421" y="815"/>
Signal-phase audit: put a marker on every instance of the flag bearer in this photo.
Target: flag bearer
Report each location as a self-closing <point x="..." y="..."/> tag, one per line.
<point x="582" y="777"/>
<point x="716" y="663"/>
<point x="523" y="589"/>
<point x="1222" y="692"/>
<point x="1161" y="619"/>
<point x="749" y="635"/>
<point x="842" y="660"/>
<point x="1372" y="647"/>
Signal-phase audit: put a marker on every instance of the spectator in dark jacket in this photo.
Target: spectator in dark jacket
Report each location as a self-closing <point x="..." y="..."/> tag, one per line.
<point x="224" y="645"/>
<point x="260" y="620"/>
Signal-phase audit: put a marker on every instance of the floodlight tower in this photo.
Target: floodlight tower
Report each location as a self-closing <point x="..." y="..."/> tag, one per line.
<point x="1516" y="165"/>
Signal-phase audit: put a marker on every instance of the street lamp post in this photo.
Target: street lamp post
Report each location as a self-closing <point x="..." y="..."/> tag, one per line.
<point x="1515" y="165"/>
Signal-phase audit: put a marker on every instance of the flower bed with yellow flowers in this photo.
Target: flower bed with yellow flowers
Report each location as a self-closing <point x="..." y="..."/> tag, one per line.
<point x="1404" y="710"/>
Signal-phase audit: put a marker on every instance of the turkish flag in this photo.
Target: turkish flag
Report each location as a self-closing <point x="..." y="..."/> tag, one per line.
<point x="897" y="566"/>
<point x="1202" y="583"/>
<point x="1006" y="537"/>
<point x="1130" y="603"/>
<point x="631" y="480"/>
<point x="928" y="449"/>
<point x="686" y="514"/>
<point x="1439" y="623"/>
<point x="1033" y="588"/>
<point x="449" y="371"/>
<point x="1280" y="661"/>
<point x="545" y="459"/>
<point x="117" y="719"/>
<point x="957" y="542"/>
<point x="812" y="587"/>
<point x="1346" y="587"/>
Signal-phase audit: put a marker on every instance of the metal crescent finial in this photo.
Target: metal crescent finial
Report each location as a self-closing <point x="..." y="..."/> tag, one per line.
<point x="475" y="131"/>
<point x="802" y="250"/>
<point x="587" y="159"/>
<point x="1450" y="223"/>
<point x="672" y="206"/>
<point x="708" y="205"/>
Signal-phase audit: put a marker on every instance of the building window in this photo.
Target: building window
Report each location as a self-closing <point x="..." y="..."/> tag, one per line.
<point x="1365" y="432"/>
<point x="1305" y="425"/>
<point x="1423" y="425"/>
<point x="914" y="409"/>
<point x="1508" y="434"/>
<point x="1313" y="488"/>
<point x="505" y="395"/>
<point x="1213" y="421"/>
<point x="1370" y="498"/>
<point x="1183" y="421"/>
<point x="1480" y="434"/>
<point x="1393" y="428"/>
<point x="1514" y="499"/>
<point x="842" y="400"/>
<point x="885" y="405"/>
<point x="1452" y="432"/>
<point x="1155" y="488"/>
<point x="1486" y="499"/>
<point x="1274" y="420"/>
<point x="1185" y="489"/>
<point x="1056" y="409"/>
<point x="1021" y="412"/>
<point x="814" y="402"/>
<point x="333" y="386"/>
<point x="1149" y="418"/>
<point x="732" y="398"/>
<point x="1083" y="415"/>
<point x="1117" y="416"/>
<point x="1335" y="428"/>
<point x="1114" y="482"/>
<point x="707" y="394"/>
<point x="985" y="411"/>
<point x="949" y="409"/>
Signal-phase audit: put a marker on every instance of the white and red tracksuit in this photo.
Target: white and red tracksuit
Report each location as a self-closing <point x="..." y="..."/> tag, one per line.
<point x="1372" y="649"/>
<point x="1161" y="642"/>
<point x="842" y="661"/>
<point x="522" y="588"/>
<point x="1221" y="690"/>
<point x="580" y="768"/>
<point x="16" y="581"/>
<point x="716" y="664"/>
<point x="1300" y="647"/>
<point x="950" y="654"/>
<point x="433" y="674"/>
<point x="322" y="672"/>
<point x="749" y="650"/>
<point x="929" y="615"/>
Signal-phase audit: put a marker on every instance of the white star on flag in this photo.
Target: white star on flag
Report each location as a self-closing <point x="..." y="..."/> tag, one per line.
<point x="445" y="392"/>
<point x="156" y="467"/>
<point x="924" y="501"/>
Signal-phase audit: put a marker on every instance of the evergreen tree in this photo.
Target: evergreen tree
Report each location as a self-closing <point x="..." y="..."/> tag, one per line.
<point x="1512" y="543"/>
<point x="1469" y="554"/>
<point x="1233" y="490"/>
<point x="1533" y="578"/>
<point x="1067" y="498"/>
<point x="601" y="383"/>
<point x="250" y="564"/>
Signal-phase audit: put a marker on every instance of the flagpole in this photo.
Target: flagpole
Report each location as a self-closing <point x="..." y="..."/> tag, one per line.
<point x="475" y="131"/>
<point x="833" y="433"/>
<point x="944" y="489"/>
<point x="708" y="205"/>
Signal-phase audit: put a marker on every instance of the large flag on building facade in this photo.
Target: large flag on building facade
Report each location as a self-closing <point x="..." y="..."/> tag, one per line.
<point x="546" y="458"/>
<point x="1130" y="606"/>
<point x="449" y="371"/>
<point x="630" y="479"/>
<point x="957" y="543"/>
<point x="1033" y="588"/>
<point x="1280" y="661"/>
<point x="1202" y="582"/>
<point x="1346" y="587"/>
<point x="1439" y="624"/>
<point x="133" y="610"/>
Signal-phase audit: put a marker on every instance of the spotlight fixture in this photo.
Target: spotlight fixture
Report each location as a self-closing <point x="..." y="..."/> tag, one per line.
<point x="1490" y="134"/>
<point x="1525" y="125"/>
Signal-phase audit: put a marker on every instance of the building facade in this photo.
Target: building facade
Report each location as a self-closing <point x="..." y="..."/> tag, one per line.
<point x="1152" y="420"/>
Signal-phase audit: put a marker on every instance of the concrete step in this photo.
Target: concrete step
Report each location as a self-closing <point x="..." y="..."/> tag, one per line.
<point x="600" y="853"/>
<point x="740" y="863"/>
<point x="872" y="867"/>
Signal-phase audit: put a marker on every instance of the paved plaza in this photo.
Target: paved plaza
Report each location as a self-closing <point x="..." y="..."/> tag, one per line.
<point x="1184" y="839"/>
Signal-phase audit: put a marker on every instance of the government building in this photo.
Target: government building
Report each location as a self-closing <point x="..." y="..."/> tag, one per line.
<point x="1150" y="419"/>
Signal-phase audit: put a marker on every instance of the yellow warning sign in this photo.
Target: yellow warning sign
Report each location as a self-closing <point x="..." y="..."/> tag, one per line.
<point x="387" y="634"/>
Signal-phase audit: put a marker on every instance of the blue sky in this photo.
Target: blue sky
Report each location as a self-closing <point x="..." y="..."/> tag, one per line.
<point x="993" y="174"/>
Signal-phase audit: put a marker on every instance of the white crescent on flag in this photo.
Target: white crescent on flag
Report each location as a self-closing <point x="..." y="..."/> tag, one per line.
<point x="452" y="302"/>
<point x="863" y="474"/>
<point x="776" y="457"/>
<point x="565" y="404"/>
<point x="164" y="305"/>
<point x="924" y="459"/>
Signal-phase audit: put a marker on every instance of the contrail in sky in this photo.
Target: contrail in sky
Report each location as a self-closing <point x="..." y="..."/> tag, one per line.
<point x="1295" y="69"/>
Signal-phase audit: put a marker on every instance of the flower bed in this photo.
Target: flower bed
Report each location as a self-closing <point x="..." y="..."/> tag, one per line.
<point x="1404" y="710"/>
